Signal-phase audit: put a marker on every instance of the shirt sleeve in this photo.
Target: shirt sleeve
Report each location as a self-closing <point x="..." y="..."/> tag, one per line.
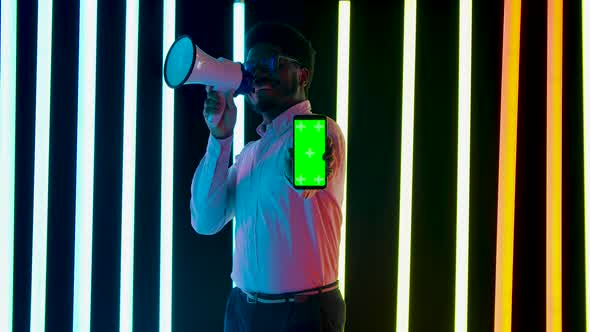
<point x="213" y="187"/>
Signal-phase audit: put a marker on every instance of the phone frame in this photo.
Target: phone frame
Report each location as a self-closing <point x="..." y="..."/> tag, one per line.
<point x="310" y="117"/>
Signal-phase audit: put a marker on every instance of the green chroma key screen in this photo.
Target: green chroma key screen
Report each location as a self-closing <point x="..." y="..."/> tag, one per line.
<point x="309" y="145"/>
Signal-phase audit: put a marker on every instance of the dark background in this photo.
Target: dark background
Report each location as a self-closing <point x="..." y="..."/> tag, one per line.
<point x="202" y="264"/>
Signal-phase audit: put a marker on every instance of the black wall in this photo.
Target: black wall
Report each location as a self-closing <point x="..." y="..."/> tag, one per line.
<point x="202" y="264"/>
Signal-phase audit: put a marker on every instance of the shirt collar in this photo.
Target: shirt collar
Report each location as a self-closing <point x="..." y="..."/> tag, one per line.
<point x="284" y="120"/>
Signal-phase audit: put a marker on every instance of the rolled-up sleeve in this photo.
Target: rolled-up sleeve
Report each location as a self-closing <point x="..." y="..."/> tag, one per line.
<point x="212" y="201"/>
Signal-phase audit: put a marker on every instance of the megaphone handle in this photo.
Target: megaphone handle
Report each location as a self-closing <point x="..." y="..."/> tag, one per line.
<point x="215" y="118"/>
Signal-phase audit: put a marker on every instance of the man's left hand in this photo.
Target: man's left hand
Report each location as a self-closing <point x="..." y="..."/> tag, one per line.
<point x="329" y="157"/>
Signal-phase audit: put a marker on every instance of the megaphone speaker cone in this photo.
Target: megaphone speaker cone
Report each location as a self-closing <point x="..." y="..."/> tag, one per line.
<point x="179" y="62"/>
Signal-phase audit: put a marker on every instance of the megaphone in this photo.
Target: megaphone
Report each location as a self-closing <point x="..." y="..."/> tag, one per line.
<point x="186" y="63"/>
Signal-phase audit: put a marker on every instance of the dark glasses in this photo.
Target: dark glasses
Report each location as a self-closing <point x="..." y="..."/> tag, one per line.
<point x="270" y="64"/>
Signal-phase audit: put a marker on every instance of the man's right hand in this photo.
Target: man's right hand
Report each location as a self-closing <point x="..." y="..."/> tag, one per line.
<point x="220" y="112"/>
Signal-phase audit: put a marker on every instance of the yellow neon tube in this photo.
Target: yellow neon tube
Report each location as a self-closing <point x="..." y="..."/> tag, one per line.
<point x="553" y="192"/>
<point x="507" y="166"/>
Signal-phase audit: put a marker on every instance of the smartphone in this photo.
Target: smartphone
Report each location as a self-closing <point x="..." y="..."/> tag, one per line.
<point x="309" y="145"/>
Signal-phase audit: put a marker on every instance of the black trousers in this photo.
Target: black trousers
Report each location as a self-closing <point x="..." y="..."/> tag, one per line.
<point x="324" y="312"/>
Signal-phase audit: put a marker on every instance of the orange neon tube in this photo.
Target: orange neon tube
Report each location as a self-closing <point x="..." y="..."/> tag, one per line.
<point x="507" y="166"/>
<point x="553" y="192"/>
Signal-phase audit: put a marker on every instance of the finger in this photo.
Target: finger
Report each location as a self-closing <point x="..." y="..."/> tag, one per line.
<point x="213" y="119"/>
<point x="229" y="98"/>
<point x="212" y="101"/>
<point x="209" y="102"/>
<point x="309" y="193"/>
<point x="329" y="141"/>
<point x="215" y="95"/>
<point x="212" y="107"/>
<point x="329" y="147"/>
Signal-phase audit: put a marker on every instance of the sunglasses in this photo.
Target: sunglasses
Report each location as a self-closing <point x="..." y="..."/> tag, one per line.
<point x="270" y="64"/>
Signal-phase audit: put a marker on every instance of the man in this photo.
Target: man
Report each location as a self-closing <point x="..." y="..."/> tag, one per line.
<point x="285" y="264"/>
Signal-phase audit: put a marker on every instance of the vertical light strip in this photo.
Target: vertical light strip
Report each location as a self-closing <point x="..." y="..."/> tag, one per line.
<point x="239" y="55"/>
<point x="8" y="11"/>
<point x="85" y="165"/>
<point x="586" y="108"/>
<point x="507" y="166"/>
<point x="41" y="171"/>
<point x="463" y="158"/>
<point x="342" y="116"/>
<point x="128" y="180"/>
<point x="407" y="155"/>
<point x="553" y="192"/>
<point x="166" y="213"/>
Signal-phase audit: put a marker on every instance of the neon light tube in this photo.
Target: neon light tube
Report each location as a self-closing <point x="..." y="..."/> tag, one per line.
<point x="507" y="166"/>
<point x="586" y="101"/>
<point x="8" y="10"/>
<point x="239" y="55"/>
<point x="128" y="180"/>
<point x="85" y="166"/>
<point x="407" y="153"/>
<point x="342" y="116"/>
<point x="554" y="167"/>
<point x="463" y="155"/>
<point x="167" y="177"/>
<point x="41" y="171"/>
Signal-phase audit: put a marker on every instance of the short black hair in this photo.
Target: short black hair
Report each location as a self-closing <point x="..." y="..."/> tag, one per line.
<point x="288" y="40"/>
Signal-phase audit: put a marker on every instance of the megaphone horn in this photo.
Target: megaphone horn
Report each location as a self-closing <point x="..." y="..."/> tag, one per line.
<point x="186" y="63"/>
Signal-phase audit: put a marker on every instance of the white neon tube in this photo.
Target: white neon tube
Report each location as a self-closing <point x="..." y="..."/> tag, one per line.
<point x="342" y="116"/>
<point x="463" y="155"/>
<point x="41" y="171"/>
<point x="407" y="152"/>
<point x="85" y="166"/>
<point x="239" y="50"/>
<point x="167" y="177"/>
<point x="8" y="29"/>
<point x="128" y="180"/>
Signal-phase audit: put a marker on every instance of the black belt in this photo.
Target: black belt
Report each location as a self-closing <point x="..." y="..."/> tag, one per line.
<point x="300" y="296"/>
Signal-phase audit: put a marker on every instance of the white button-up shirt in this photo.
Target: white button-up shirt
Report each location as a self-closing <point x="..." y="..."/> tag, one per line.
<point x="285" y="239"/>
